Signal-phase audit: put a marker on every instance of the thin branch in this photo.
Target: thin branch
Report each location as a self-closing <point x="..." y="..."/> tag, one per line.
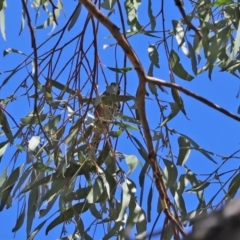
<point x="35" y="61"/>
<point x="161" y="82"/>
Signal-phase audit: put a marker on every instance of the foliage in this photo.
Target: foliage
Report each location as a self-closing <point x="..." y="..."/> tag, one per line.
<point x="55" y="171"/>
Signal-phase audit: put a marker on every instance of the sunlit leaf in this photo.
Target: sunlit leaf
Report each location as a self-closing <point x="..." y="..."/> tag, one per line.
<point x="33" y="143"/>
<point x="170" y="172"/>
<point x="132" y="163"/>
<point x="184" y="150"/>
<point x="153" y="55"/>
<point x="180" y="36"/>
<point x="5" y="126"/>
<point x="199" y="187"/>
<point x="11" y="50"/>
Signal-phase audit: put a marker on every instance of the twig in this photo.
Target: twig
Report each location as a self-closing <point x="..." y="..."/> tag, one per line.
<point x="189" y="24"/>
<point x="160" y="82"/>
<point x="35" y="60"/>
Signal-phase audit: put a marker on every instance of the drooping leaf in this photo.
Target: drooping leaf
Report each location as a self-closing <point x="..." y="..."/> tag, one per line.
<point x="178" y="100"/>
<point x="132" y="162"/>
<point x="170" y="172"/>
<point x="149" y="204"/>
<point x="177" y="67"/>
<point x="184" y="150"/>
<point x="20" y="219"/>
<point x="198" y="148"/>
<point x="151" y="17"/>
<point x="174" y="111"/>
<point x="5" y="126"/>
<point x="180" y="35"/>
<point x="3" y="147"/>
<point x="95" y="192"/>
<point x="2" y="18"/>
<point x="153" y="55"/>
<point x="67" y="214"/>
<point x="75" y="16"/>
<point x="233" y="187"/>
<point x="108" y="4"/>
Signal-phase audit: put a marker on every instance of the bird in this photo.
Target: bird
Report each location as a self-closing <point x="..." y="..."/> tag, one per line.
<point x="105" y="112"/>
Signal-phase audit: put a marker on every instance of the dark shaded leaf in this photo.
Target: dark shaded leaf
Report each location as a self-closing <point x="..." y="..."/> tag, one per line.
<point x="177" y="67"/>
<point x="20" y="219"/>
<point x="5" y="126"/>
<point x="67" y="214"/>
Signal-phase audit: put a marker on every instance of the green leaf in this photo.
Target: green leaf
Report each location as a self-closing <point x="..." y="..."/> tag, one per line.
<point x="32" y="206"/>
<point x="36" y="230"/>
<point x="178" y="100"/>
<point x="170" y="172"/>
<point x="198" y="148"/>
<point x="120" y="70"/>
<point x="132" y="162"/>
<point x="33" y="119"/>
<point x="5" y="126"/>
<point x="233" y="187"/>
<point x="51" y="18"/>
<point x="3" y="178"/>
<point x="125" y="200"/>
<point x="20" y="219"/>
<point x="177" y="67"/>
<point x="184" y="150"/>
<point x="199" y="187"/>
<point x="153" y="55"/>
<point x="52" y="123"/>
<point x="115" y="134"/>
<point x="2" y="19"/>
<point x="219" y="3"/>
<point x="14" y="176"/>
<point x="150" y="14"/>
<point x="75" y="16"/>
<point x="174" y="111"/>
<point x="149" y="204"/>
<point x="96" y="191"/>
<point x="60" y="86"/>
<point x="180" y="35"/>
<point x="3" y="147"/>
<point x="126" y="126"/>
<point x="67" y="214"/>
<point x="39" y="166"/>
<point x="108" y="4"/>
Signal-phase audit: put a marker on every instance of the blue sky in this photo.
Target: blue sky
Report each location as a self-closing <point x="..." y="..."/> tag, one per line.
<point x="210" y="129"/>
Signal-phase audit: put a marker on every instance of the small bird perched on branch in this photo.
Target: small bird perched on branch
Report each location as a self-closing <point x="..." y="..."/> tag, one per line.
<point x="105" y="112"/>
